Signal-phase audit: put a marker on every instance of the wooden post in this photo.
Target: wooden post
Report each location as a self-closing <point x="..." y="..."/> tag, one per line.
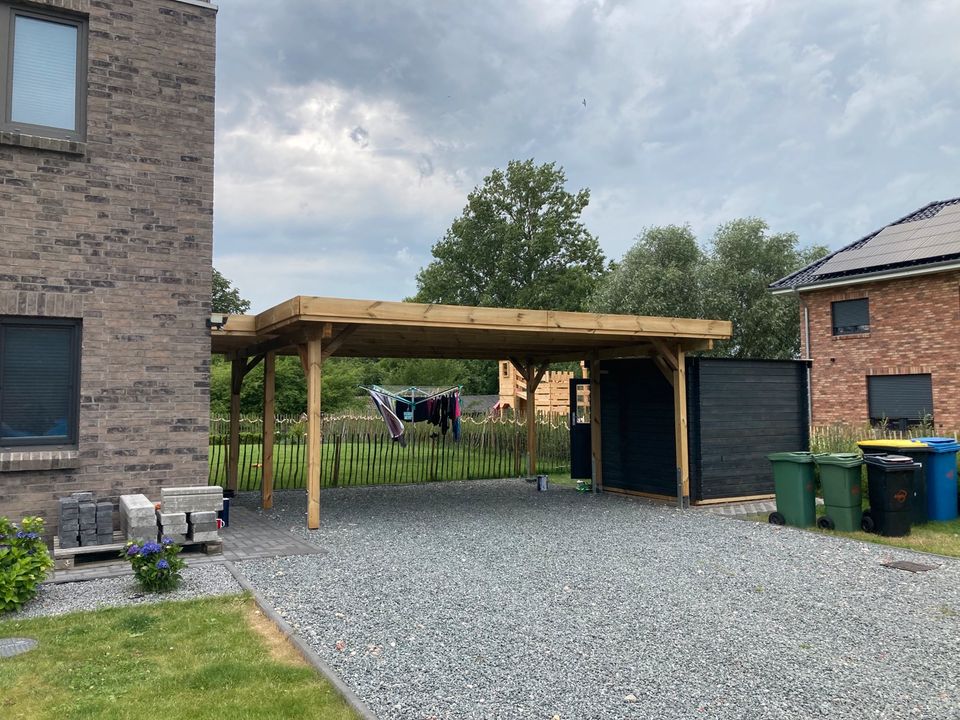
<point x="596" y="449"/>
<point x="680" y="428"/>
<point x="237" y="367"/>
<point x="269" y="425"/>
<point x="531" y="422"/>
<point x="314" y="357"/>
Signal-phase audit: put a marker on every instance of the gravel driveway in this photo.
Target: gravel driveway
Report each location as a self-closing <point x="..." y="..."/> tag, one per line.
<point x="486" y="599"/>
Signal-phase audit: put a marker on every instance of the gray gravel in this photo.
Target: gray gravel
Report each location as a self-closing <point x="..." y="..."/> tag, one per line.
<point x="205" y="580"/>
<point x="490" y="600"/>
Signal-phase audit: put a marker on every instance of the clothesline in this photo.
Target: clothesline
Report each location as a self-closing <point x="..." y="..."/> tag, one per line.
<point x="409" y="395"/>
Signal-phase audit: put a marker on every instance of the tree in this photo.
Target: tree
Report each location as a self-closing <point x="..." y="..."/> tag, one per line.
<point x="226" y="298"/>
<point x="660" y="275"/>
<point x="667" y="273"/>
<point x="744" y="259"/>
<point x="518" y="243"/>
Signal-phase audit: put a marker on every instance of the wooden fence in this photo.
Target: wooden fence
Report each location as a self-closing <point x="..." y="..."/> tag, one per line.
<point x="356" y="450"/>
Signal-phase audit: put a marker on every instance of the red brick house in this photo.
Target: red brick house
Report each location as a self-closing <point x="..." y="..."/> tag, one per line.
<point x="106" y="233"/>
<point x="880" y="319"/>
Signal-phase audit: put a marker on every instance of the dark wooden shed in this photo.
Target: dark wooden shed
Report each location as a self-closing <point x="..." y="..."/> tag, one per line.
<point x="738" y="411"/>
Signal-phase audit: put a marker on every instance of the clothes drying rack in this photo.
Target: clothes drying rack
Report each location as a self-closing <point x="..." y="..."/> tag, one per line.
<point x="412" y="395"/>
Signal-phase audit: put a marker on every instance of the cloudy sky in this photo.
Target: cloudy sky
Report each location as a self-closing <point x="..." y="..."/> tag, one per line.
<point x="350" y="132"/>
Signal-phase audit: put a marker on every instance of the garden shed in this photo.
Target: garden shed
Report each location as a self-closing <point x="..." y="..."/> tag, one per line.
<point x="316" y="328"/>
<point x="738" y="412"/>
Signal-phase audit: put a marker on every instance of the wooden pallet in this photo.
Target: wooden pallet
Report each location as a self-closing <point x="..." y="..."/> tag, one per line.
<point x="69" y="558"/>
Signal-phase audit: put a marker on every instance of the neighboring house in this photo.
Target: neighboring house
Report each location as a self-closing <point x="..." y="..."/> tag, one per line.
<point x="106" y="212"/>
<point x="880" y="318"/>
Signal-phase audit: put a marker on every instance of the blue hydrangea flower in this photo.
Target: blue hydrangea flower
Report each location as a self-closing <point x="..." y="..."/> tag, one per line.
<point x="133" y="550"/>
<point x="163" y="565"/>
<point x="150" y="548"/>
<point x="21" y="534"/>
<point x="166" y="541"/>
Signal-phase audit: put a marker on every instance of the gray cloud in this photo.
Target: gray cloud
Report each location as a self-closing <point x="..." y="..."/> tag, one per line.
<point x="349" y="133"/>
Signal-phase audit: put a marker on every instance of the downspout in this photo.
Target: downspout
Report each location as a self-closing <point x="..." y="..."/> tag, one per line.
<point x="806" y="354"/>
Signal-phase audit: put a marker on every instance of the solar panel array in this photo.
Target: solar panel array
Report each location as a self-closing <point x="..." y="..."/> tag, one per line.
<point x="932" y="237"/>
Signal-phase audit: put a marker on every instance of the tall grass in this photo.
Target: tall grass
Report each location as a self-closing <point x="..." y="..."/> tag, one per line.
<point x="842" y="437"/>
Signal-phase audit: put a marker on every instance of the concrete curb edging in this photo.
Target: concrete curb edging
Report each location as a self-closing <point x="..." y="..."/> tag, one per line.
<point x="308" y="653"/>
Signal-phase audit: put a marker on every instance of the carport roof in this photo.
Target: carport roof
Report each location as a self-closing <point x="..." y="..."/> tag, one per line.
<point x="370" y="328"/>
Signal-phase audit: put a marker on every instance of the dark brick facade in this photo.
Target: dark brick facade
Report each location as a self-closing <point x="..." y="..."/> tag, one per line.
<point x="914" y="328"/>
<point x="118" y="231"/>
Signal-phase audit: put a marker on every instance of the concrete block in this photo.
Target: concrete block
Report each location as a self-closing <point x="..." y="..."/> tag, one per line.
<point x="203" y="527"/>
<point x="178" y="538"/>
<point x="204" y="516"/>
<point x="191" y="490"/>
<point x="191" y="503"/>
<point x="68" y="503"/>
<point x="104" y="539"/>
<point x="171" y="518"/>
<point x="70" y="542"/>
<point x="88" y="540"/>
<point x="82" y="496"/>
<point x="212" y="536"/>
<point x="104" y="507"/>
<point x="142" y="533"/>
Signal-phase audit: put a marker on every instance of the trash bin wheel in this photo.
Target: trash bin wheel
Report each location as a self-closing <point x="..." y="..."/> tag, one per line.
<point x="825" y="523"/>
<point x="866" y="523"/>
<point x="777" y="519"/>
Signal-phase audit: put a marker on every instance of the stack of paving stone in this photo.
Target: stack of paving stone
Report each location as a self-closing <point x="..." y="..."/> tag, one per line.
<point x="83" y="521"/>
<point x="173" y="526"/>
<point x="200" y="504"/>
<point x="138" y="518"/>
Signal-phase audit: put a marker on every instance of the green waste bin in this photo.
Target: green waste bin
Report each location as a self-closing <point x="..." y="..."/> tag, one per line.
<point x="840" y="482"/>
<point x="794" y="487"/>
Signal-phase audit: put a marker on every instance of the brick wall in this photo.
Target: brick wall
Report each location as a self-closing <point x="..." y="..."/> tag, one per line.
<point x="118" y="231"/>
<point x="914" y="328"/>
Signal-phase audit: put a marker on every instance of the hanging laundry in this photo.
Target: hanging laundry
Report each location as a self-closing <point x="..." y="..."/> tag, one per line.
<point x="393" y="423"/>
<point x="411" y="410"/>
<point x="456" y="416"/>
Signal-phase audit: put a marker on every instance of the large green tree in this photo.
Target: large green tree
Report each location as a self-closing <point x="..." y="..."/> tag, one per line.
<point x="668" y="273"/>
<point x="519" y="242"/>
<point x="226" y="298"/>
<point x="661" y="274"/>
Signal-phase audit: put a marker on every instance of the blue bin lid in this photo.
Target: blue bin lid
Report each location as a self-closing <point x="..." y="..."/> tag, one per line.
<point x="940" y="444"/>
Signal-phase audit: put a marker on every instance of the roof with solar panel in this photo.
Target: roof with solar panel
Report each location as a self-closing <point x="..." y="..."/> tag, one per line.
<point x="925" y="240"/>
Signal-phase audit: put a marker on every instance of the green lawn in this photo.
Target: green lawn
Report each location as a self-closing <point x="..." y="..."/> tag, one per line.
<point x="203" y="659"/>
<point x="942" y="538"/>
<point x="380" y="461"/>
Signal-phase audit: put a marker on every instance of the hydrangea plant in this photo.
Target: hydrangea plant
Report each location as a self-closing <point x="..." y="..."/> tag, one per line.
<point x="24" y="561"/>
<point x="155" y="564"/>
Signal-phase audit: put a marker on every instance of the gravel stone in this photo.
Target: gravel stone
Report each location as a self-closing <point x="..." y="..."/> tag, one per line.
<point x="53" y="599"/>
<point x="487" y="599"/>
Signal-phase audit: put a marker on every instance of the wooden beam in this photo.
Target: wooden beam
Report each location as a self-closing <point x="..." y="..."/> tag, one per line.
<point x="314" y="361"/>
<point x="665" y="352"/>
<point x="269" y="423"/>
<point x="596" y="437"/>
<point x="237" y="366"/>
<point x="273" y="344"/>
<point x="664" y="369"/>
<point x="537" y="377"/>
<point x="302" y="352"/>
<point x="680" y="429"/>
<point x="331" y="347"/>
<point x="533" y="380"/>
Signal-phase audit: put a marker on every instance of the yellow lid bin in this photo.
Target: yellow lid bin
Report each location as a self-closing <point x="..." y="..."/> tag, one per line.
<point x="890" y="444"/>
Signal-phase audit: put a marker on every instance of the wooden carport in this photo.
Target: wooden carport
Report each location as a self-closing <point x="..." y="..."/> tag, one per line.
<point x="316" y="328"/>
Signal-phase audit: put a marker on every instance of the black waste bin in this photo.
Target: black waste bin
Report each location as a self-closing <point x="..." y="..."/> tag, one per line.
<point x="920" y="453"/>
<point x="890" y="480"/>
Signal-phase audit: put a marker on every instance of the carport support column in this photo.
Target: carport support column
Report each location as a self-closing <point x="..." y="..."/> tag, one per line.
<point x="237" y="366"/>
<point x="311" y="352"/>
<point x="532" y="382"/>
<point x="680" y="427"/>
<point x="269" y="424"/>
<point x="596" y="435"/>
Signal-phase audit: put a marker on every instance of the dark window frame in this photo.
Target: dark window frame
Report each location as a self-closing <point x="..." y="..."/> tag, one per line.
<point x="839" y="330"/>
<point x="899" y="422"/>
<point x="8" y="13"/>
<point x="73" y="413"/>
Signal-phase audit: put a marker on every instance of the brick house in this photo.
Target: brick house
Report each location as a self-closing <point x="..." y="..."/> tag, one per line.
<point x="880" y="318"/>
<point x="106" y="211"/>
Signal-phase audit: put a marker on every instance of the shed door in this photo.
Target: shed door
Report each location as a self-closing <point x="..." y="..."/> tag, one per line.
<point x="580" y="443"/>
<point x="900" y="399"/>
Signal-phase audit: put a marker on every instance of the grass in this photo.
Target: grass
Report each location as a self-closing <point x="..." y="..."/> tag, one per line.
<point x="380" y="462"/>
<point x="942" y="538"/>
<point x="203" y="659"/>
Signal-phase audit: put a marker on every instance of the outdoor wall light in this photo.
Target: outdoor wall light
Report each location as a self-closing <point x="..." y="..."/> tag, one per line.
<point x="216" y="321"/>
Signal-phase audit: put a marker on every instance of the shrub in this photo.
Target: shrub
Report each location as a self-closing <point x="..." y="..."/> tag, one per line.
<point x="155" y="564"/>
<point x="24" y="561"/>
